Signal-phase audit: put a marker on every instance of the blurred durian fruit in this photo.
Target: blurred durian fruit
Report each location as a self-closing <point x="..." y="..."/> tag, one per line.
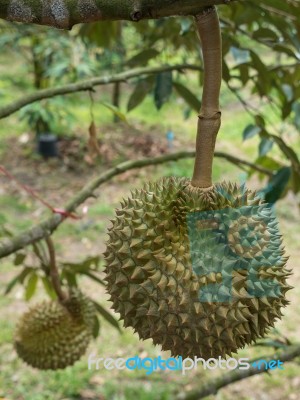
<point x="55" y="334"/>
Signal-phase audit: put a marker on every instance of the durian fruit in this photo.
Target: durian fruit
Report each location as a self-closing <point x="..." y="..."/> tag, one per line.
<point x="54" y="335"/>
<point x="196" y="283"/>
<point x="198" y="268"/>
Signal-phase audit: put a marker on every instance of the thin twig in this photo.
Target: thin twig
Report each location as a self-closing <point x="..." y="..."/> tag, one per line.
<point x="212" y="386"/>
<point x="54" y="271"/>
<point x="88" y="85"/>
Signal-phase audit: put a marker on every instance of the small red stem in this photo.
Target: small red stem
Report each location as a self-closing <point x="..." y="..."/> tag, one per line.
<point x="35" y="195"/>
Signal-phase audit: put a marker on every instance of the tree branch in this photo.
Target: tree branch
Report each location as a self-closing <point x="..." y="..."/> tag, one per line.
<point x="45" y="228"/>
<point x="209" y="120"/>
<point x="54" y="274"/>
<point x="89" y="85"/>
<point x="66" y="13"/>
<point x="212" y="386"/>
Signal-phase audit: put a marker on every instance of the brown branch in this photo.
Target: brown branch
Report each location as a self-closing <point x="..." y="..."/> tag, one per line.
<point x="210" y="116"/>
<point x="11" y="245"/>
<point x="88" y="85"/>
<point x="66" y="13"/>
<point x="54" y="275"/>
<point x="212" y="386"/>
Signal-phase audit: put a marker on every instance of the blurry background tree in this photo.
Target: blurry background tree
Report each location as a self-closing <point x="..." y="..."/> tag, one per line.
<point x="261" y="49"/>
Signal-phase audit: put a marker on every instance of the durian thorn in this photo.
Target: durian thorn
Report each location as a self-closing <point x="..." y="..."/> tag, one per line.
<point x="54" y="274"/>
<point x="210" y="116"/>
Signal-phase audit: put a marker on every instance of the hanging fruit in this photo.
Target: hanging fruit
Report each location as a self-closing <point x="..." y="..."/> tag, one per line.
<point x="198" y="268"/>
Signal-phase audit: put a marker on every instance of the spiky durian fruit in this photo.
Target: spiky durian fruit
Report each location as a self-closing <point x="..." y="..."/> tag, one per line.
<point x="198" y="283"/>
<point x="54" y="335"/>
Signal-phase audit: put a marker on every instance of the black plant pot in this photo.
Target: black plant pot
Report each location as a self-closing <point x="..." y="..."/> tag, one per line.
<point x="47" y="145"/>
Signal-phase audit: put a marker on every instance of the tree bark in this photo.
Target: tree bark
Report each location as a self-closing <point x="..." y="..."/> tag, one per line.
<point x="66" y="13"/>
<point x="89" y="84"/>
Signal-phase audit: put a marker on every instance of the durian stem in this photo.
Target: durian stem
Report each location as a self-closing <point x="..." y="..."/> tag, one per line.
<point x="209" y="121"/>
<point x="54" y="275"/>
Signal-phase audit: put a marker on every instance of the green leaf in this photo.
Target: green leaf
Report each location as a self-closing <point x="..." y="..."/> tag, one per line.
<point x="260" y="121"/>
<point x="293" y="157"/>
<point x="276" y="186"/>
<point x="90" y="262"/>
<point x="143" y="87"/>
<point x="244" y="73"/>
<point x="265" y="146"/>
<point x="286" y="110"/>
<point x="187" y="113"/>
<point x="93" y="277"/>
<point x="70" y="277"/>
<point x="296" y="109"/>
<point x="19" y="258"/>
<point x="96" y="327"/>
<point x="163" y="88"/>
<point x="188" y="96"/>
<point x="31" y="286"/>
<point x="226" y="71"/>
<point x="287" y="150"/>
<point x="288" y="91"/>
<point x="107" y="316"/>
<point x="284" y="49"/>
<point x="40" y="252"/>
<point x="250" y="131"/>
<point x="49" y="288"/>
<point x="263" y="83"/>
<point x="115" y="111"/>
<point x="82" y="266"/>
<point x="143" y="57"/>
<point x="265" y="34"/>
<point x="17" y="279"/>
<point x="103" y="34"/>
<point x="268" y="162"/>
